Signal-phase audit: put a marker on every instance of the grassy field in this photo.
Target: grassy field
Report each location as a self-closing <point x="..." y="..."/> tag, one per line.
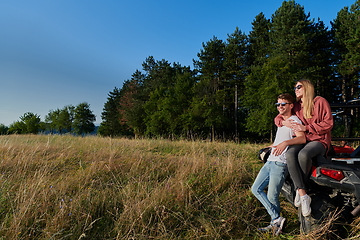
<point x="66" y="187"/>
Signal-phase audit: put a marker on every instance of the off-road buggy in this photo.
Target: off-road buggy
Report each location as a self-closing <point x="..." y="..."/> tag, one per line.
<point x="334" y="181"/>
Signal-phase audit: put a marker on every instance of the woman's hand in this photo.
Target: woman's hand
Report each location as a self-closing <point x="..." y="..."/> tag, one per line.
<point x="288" y="123"/>
<point x="297" y="127"/>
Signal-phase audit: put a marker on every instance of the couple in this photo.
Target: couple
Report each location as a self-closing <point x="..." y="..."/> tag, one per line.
<point x="311" y="125"/>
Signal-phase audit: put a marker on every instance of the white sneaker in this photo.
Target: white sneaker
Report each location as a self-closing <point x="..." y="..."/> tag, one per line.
<point x="278" y="225"/>
<point x="266" y="229"/>
<point x="305" y="205"/>
<point x="297" y="202"/>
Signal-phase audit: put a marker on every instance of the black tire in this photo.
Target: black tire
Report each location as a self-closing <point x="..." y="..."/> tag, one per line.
<point x="288" y="190"/>
<point x="321" y="208"/>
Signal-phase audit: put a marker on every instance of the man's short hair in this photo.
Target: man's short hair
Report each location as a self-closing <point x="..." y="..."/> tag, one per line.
<point x="286" y="96"/>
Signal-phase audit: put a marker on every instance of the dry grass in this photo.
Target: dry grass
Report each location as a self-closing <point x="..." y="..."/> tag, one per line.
<point x="66" y="187"/>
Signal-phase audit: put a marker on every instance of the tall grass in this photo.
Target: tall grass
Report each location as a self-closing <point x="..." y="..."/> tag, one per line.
<point x="66" y="187"/>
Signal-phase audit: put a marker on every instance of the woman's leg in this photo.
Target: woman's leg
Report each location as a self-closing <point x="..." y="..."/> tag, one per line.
<point x="310" y="150"/>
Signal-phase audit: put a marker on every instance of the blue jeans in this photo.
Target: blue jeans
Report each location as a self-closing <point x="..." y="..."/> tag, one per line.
<point x="271" y="175"/>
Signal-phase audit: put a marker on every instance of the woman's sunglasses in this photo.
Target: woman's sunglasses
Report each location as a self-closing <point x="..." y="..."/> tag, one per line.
<point x="297" y="87"/>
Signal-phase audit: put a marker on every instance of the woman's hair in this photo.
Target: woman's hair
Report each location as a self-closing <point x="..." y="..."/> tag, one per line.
<point x="308" y="97"/>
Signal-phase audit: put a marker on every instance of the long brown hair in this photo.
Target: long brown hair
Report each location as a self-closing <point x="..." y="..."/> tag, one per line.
<point x="308" y="97"/>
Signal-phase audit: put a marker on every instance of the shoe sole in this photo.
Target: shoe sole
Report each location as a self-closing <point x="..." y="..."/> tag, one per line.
<point x="307" y="213"/>
<point x="281" y="227"/>
<point x="298" y="202"/>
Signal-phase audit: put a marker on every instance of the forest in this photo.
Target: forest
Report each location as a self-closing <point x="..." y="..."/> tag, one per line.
<point x="229" y="92"/>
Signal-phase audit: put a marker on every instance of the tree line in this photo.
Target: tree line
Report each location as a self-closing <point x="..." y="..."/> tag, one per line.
<point x="231" y="90"/>
<point x="77" y="120"/>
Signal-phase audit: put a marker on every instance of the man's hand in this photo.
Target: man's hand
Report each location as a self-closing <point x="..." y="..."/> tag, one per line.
<point x="279" y="148"/>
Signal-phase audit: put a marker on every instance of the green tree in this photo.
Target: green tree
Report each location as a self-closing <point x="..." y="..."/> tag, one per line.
<point x="132" y="100"/>
<point x="259" y="51"/>
<point x="322" y="60"/>
<point x="83" y="119"/>
<point x="209" y="102"/>
<point x="159" y="79"/>
<point x="290" y="35"/>
<point x="236" y="69"/>
<point x="67" y="116"/>
<point x="168" y="103"/>
<point x="259" y="40"/>
<point x="111" y="116"/>
<point x="4" y="130"/>
<point x="180" y="100"/>
<point x="262" y="89"/>
<point x="346" y="30"/>
<point x="30" y="123"/>
<point x="17" y="127"/>
<point x="290" y="57"/>
<point x="60" y="120"/>
<point x="51" y="120"/>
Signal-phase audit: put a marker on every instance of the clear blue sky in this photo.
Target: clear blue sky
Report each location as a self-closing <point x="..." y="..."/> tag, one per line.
<point x="55" y="53"/>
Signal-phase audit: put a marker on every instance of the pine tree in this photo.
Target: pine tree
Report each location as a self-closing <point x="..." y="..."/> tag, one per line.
<point x="168" y="104"/>
<point x="259" y="40"/>
<point x="111" y="116"/>
<point x="321" y="59"/>
<point x="83" y="119"/>
<point x="208" y="106"/>
<point x="287" y="58"/>
<point x="346" y="28"/>
<point x="4" y="130"/>
<point x="236" y="64"/>
<point x="132" y="100"/>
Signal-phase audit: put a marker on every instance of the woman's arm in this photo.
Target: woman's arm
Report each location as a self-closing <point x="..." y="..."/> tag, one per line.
<point x="323" y="119"/>
<point x="279" y="121"/>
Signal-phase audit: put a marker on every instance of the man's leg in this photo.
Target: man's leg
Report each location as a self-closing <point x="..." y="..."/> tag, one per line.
<point x="260" y="183"/>
<point x="278" y="173"/>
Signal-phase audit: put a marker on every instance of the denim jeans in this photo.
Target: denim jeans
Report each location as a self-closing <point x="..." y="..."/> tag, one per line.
<point x="271" y="175"/>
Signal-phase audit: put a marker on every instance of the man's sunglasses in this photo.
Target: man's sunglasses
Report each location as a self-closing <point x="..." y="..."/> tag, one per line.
<point x="282" y="104"/>
<point x="297" y="87"/>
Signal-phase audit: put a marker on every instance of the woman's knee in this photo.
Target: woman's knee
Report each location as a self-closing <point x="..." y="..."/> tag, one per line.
<point x="303" y="156"/>
<point x="292" y="152"/>
<point x="290" y="157"/>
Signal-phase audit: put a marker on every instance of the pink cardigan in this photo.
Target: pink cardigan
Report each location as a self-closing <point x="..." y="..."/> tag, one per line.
<point x="318" y="128"/>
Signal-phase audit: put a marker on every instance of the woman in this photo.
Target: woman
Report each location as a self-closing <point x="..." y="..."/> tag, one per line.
<point x="315" y="113"/>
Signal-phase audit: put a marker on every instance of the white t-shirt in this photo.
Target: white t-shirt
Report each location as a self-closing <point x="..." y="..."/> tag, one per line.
<point x="282" y="134"/>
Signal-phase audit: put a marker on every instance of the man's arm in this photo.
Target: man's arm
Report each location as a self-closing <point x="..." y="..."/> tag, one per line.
<point x="299" y="139"/>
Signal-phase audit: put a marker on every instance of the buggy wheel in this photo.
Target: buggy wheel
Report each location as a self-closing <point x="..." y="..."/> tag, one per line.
<point x="321" y="208"/>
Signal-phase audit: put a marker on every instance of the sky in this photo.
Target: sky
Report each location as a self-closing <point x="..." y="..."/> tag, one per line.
<point x="55" y="53"/>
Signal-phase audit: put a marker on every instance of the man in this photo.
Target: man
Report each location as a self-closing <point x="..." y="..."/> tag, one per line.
<point x="274" y="171"/>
